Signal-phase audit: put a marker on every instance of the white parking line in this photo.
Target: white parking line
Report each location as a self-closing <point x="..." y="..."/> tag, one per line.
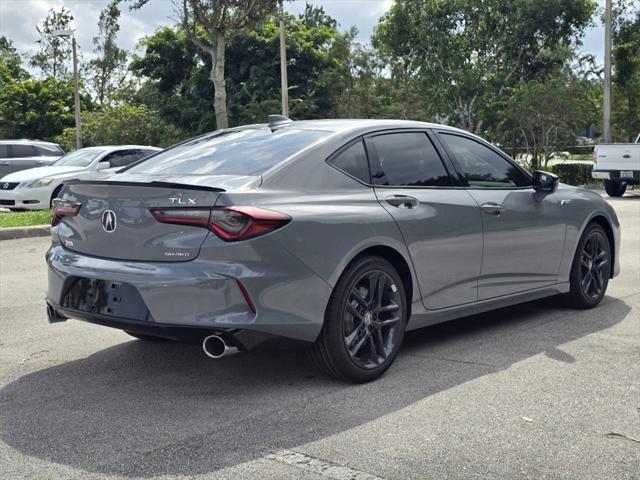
<point x="320" y="467"/>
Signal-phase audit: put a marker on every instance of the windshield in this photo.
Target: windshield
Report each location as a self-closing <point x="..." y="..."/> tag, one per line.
<point x="79" y="158"/>
<point x="239" y="152"/>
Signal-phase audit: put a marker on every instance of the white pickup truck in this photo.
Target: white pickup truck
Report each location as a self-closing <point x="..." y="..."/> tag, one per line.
<point x="618" y="164"/>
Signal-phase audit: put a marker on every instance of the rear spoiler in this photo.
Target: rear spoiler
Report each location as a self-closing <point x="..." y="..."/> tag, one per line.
<point x="145" y="184"/>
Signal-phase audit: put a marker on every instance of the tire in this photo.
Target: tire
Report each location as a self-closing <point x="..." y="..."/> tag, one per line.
<point x="372" y="324"/>
<point x="148" y="338"/>
<point x="615" y="188"/>
<point x="591" y="268"/>
<point x="54" y="195"/>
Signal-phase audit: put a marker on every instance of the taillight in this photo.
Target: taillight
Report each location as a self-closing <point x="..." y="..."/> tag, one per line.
<point x="230" y="224"/>
<point x="63" y="208"/>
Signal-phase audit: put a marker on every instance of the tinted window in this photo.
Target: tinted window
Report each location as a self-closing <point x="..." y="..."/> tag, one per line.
<point x="239" y="152"/>
<point x="3" y="151"/>
<point x="18" y="151"/>
<point x="408" y="159"/>
<point x="146" y="153"/>
<point x="353" y="160"/>
<point x="481" y="166"/>
<point x="121" y="158"/>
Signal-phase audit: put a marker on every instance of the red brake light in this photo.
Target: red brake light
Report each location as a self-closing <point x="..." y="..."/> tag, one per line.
<point x="63" y="208"/>
<point x="230" y="224"/>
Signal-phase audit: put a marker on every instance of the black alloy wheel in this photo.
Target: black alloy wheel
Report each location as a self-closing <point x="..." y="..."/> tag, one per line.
<point x="591" y="268"/>
<point x="364" y="322"/>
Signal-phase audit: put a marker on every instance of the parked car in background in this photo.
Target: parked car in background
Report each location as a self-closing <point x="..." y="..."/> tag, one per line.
<point x="339" y="233"/>
<point x="18" y="155"/>
<point x="618" y="164"/>
<point x="34" y="189"/>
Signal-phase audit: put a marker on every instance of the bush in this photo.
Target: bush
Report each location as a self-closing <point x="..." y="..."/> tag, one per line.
<point x="586" y="150"/>
<point x="574" y="173"/>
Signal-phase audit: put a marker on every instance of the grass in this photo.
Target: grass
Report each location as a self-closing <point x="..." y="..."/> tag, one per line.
<point x="25" y="219"/>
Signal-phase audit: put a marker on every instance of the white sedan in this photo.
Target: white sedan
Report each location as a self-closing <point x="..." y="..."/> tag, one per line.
<point x="35" y="188"/>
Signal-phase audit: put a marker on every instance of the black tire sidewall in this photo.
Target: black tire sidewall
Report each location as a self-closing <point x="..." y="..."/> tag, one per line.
<point x="615" y="188"/>
<point x="333" y="330"/>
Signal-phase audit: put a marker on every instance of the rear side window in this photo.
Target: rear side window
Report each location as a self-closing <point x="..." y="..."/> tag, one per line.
<point x="408" y="159"/>
<point x="49" y="150"/>
<point x="481" y="166"/>
<point x="235" y="152"/>
<point x="19" y="151"/>
<point x="353" y="160"/>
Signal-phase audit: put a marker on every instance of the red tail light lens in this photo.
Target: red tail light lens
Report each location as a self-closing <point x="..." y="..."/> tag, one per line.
<point x="230" y="224"/>
<point x="63" y="208"/>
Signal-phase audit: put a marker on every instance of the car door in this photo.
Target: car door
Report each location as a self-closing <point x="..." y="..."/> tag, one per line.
<point x="524" y="231"/>
<point x="439" y="220"/>
<point x="19" y="156"/>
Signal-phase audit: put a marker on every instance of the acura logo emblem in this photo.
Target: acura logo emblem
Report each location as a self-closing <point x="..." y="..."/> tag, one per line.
<point x="5" y="186"/>
<point x="108" y="221"/>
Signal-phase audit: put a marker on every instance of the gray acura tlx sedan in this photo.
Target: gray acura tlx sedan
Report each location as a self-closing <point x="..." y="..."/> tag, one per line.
<point x="340" y="233"/>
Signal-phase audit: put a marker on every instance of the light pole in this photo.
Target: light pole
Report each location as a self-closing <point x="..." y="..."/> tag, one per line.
<point x="76" y="91"/>
<point x="284" y="87"/>
<point x="606" y="107"/>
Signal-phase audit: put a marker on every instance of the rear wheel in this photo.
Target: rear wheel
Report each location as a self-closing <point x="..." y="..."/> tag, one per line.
<point x="148" y="338"/>
<point x="591" y="268"/>
<point x="364" y="322"/>
<point x="615" y="188"/>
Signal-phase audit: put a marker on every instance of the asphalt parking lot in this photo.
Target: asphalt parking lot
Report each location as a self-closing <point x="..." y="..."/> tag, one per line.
<point x="533" y="391"/>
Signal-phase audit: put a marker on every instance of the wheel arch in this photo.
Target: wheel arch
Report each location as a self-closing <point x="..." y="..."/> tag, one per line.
<point x="395" y="258"/>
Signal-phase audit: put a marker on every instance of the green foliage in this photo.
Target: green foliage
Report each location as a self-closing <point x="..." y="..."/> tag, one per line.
<point x="25" y="219"/>
<point x="126" y="124"/>
<point x="626" y="94"/>
<point x="107" y="73"/>
<point x="574" y="173"/>
<point x="54" y="52"/>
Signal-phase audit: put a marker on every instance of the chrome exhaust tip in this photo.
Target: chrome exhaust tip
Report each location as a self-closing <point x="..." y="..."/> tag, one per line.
<point x="214" y="346"/>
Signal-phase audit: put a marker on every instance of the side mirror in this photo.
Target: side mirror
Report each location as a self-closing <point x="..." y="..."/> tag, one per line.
<point x="104" y="165"/>
<point x="544" y="181"/>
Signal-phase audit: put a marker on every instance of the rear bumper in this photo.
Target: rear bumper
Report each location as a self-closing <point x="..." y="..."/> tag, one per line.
<point x="200" y="296"/>
<point x="616" y="175"/>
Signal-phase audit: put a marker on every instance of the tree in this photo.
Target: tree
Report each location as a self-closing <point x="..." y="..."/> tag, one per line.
<point x="467" y="52"/>
<point x="121" y="125"/>
<point x="10" y="62"/>
<point x="208" y="24"/>
<point x="626" y="60"/>
<point x="108" y="69"/>
<point x="54" y="52"/>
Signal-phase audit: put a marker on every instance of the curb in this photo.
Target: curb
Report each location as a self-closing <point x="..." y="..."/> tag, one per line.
<point x="13" y="233"/>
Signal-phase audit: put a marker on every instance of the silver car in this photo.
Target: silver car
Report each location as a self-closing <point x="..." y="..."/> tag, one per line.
<point x="342" y="234"/>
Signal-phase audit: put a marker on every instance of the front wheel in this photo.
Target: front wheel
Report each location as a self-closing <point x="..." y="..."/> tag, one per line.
<point x="364" y="323"/>
<point x="615" y="188"/>
<point x="591" y="268"/>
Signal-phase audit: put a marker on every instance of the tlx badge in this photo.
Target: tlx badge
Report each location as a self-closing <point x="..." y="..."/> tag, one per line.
<point x="182" y="201"/>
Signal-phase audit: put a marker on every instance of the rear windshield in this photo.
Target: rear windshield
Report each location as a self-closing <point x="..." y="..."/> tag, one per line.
<point x="240" y="152"/>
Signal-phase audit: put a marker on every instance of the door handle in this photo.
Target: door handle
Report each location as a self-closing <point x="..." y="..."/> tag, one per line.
<point x="492" y="208"/>
<point x="39" y="163"/>
<point x="626" y="155"/>
<point x="402" y="201"/>
<point x="5" y="164"/>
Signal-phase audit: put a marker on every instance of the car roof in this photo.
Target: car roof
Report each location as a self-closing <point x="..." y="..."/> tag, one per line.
<point x="28" y="142"/>
<point x="110" y="148"/>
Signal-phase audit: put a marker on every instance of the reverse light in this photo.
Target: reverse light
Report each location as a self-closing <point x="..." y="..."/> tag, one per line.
<point x="230" y="224"/>
<point x="63" y="208"/>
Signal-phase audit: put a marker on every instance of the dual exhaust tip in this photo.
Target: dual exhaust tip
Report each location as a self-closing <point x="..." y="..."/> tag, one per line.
<point x="215" y="346"/>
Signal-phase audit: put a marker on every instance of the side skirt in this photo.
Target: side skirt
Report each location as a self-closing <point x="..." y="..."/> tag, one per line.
<point x="423" y="318"/>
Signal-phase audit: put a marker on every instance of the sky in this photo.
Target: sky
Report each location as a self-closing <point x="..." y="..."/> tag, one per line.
<point x="19" y="17"/>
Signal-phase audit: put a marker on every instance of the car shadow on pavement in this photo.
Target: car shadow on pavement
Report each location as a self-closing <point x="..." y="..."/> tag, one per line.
<point x="140" y="409"/>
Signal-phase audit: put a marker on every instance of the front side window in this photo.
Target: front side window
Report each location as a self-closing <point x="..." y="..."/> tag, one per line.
<point x="353" y="160"/>
<point x="121" y="158"/>
<point x="231" y="152"/>
<point x="408" y="159"/>
<point x="481" y="166"/>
